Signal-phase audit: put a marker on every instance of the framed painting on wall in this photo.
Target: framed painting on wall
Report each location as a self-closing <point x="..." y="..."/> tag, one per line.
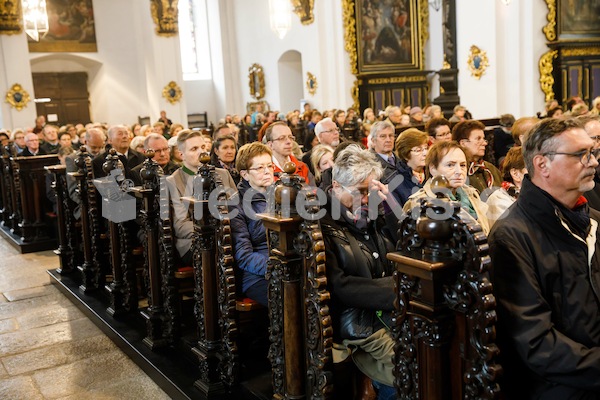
<point x="578" y="19"/>
<point x="71" y="28"/>
<point x="388" y="35"/>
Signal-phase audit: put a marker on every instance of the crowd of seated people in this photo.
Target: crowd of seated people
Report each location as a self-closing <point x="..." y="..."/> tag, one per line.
<point x="395" y="157"/>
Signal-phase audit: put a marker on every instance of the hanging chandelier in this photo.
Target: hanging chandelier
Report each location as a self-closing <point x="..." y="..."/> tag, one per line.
<point x="280" y="13"/>
<point x="35" y="18"/>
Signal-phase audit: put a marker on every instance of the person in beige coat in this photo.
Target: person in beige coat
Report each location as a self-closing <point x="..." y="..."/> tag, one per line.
<point x="449" y="159"/>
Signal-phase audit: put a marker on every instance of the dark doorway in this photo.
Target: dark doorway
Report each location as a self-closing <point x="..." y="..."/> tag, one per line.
<point x="66" y="96"/>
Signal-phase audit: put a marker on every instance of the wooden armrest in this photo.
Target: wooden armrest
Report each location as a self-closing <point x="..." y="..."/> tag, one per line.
<point x="246" y="304"/>
<point x="184" y="272"/>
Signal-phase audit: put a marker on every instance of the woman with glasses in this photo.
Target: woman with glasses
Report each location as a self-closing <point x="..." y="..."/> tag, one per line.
<point x="483" y="175"/>
<point x="411" y="147"/>
<point x="358" y="272"/>
<point x="450" y="160"/>
<point x="223" y="154"/>
<point x="254" y="161"/>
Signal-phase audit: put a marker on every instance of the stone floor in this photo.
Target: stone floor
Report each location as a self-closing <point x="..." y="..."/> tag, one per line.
<point x="49" y="349"/>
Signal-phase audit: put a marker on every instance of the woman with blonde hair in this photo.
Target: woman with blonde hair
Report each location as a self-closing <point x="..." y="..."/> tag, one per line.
<point x="321" y="159"/>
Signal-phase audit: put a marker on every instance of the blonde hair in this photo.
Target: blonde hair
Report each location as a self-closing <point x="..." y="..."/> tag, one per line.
<point x="315" y="158"/>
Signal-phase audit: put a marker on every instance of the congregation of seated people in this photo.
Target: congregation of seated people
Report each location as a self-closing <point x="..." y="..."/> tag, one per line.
<point x="392" y="155"/>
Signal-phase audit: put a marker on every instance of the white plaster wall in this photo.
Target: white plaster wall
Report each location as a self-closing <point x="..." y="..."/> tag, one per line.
<point x="291" y="85"/>
<point x="321" y="45"/>
<point x="513" y="40"/>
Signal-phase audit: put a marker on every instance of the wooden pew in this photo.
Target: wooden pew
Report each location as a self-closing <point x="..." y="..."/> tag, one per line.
<point x="67" y="251"/>
<point x="7" y="196"/>
<point x="445" y="321"/>
<point x="301" y="334"/>
<point x="122" y="290"/>
<point x="30" y="227"/>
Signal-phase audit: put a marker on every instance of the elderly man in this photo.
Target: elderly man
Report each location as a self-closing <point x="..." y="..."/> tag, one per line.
<point x="51" y="144"/>
<point x="32" y="143"/>
<point x="95" y="142"/>
<point x="162" y="156"/>
<point x="118" y="136"/>
<point x="395" y="116"/>
<point x="327" y="133"/>
<point x="191" y="144"/>
<point x="546" y="270"/>
<point x="483" y="176"/>
<point x="439" y="130"/>
<point x="279" y="138"/>
<point x="591" y="124"/>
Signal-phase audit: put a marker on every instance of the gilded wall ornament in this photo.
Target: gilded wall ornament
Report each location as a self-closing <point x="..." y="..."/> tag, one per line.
<point x="477" y="62"/>
<point x="550" y="28"/>
<point x="17" y="97"/>
<point x="256" y="81"/>
<point x="546" y="67"/>
<point x="304" y="10"/>
<point x="10" y="17"/>
<point x="164" y="14"/>
<point x="311" y="83"/>
<point x="172" y="92"/>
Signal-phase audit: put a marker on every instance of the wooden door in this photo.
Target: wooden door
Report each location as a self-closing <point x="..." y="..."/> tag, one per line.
<point x="68" y="94"/>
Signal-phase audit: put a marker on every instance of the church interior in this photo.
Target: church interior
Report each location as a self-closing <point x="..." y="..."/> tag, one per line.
<point x="96" y="300"/>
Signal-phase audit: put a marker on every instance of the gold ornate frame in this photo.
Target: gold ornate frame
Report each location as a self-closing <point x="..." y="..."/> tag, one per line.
<point x="477" y="62"/>
<point x="353" y="26"/>
<point x="311" y="83"/>
<point x="251" y="106"/>
<point x="304" y="10"/>
<point x="256" y="81"/>
<point x="164" y="15"/>
<point x="10" y="18"/>
<point x="17" y="97"/>
<point x="172" y="92"/>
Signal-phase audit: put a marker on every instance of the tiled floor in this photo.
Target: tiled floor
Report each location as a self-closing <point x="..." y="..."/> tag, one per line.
<point x="48" y="348"/>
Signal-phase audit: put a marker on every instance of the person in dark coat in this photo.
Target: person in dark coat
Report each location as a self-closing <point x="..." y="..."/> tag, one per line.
<point x="358" y="272"/>
<point x="32" y="143"/>
<point x="119" y="140"/>
<point x="162" y="155"/>
<point x="250" y="250"/>
<point x="591" y="124"/>
<point x="546" y="270"/>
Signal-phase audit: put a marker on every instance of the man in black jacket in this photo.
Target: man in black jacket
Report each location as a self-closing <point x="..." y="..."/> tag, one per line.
<point x="119" y="138"/>
<point x="546" y="272"/>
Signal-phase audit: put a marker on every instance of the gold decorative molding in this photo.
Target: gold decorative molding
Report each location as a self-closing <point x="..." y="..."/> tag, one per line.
<point x="311" y="83"/>
<point x="396" y="79"/>
<point x="350" y="34"/>
<point x="304" y="10"/>
<point x="550" y="28"/>
<point x="172" y="92"/>
<point x="354" y="93"/>
<point x="10" y="17"/>
<point x="17" y="97"/>
<point x="579" y="51"/>
<point x="164" y="14"/>
<point x="546" y="68"/>
<point x="256" y="81"/>
<point x="423" y="28"/>
<point x="477" y="62"/>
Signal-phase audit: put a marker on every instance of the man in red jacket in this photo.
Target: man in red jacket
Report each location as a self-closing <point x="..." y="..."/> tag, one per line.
<point x="279" y="138"/>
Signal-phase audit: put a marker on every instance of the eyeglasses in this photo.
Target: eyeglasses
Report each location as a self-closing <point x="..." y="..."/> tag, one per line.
<point x="362" y="192"/>
<point x="585" y="156"/>
<point x="419" y="150"/>
<point x="330" y="130"/>
<point x="262" y="168"/>
<point x="291" y="138"/>
<point x="441" y="135"/>
<point x="596" y="138"/>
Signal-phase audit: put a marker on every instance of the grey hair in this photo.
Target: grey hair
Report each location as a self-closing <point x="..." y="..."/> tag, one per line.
<point x="319" y="128"/>
<point x="543" y="138"/>
<point x="113" y="129"/>
<point x="93" y="130"/>
<point x="150" y="137"/>
<point x="353" y="165"/>
<point x="378" y="127"/>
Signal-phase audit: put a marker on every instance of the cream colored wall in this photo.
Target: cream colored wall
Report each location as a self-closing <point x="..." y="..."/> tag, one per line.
<point x="133" y="64"/>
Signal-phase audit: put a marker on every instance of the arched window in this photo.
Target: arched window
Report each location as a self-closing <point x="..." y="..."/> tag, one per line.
<point x="194" y="41"/>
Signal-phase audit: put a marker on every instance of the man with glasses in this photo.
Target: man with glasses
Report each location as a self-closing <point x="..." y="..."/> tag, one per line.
<point x="546" y="270"/>
<point x="279" y="138"/>
<point x="32" y="142"/>
<point x="162" y="156"/>
<point x="483" y="176"/>
<point x="327" y="133"/>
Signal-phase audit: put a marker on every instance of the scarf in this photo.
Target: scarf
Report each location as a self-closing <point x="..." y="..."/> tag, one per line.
<point x="487" y="174"/>
<point x="511" y="189"/>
